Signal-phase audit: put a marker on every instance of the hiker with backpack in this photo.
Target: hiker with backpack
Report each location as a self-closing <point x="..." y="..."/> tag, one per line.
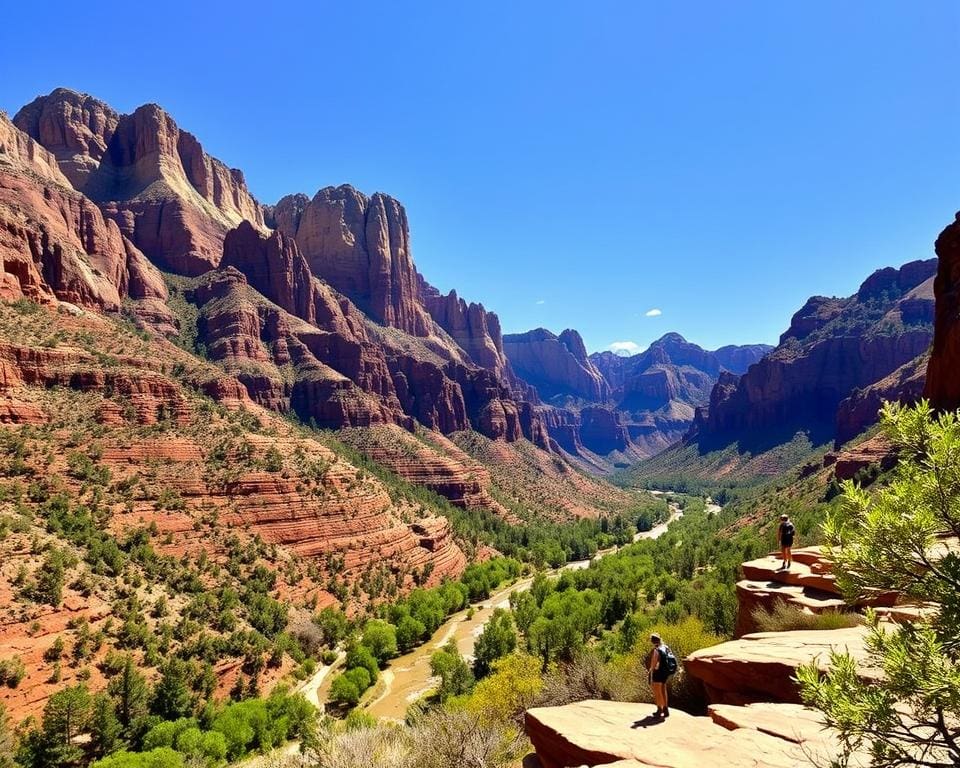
<point x="785" y="534"/>
<point x="662" y="664"/>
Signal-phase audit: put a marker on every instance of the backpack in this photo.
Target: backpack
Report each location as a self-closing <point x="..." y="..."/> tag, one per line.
<point x="667" y="660"/>
<point x="788" y="529"/>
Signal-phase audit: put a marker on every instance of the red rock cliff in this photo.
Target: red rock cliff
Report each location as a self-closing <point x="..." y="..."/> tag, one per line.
<point x="361" y="246"/>
<point x="943" y="373"/>
<point x="171" y="199"/>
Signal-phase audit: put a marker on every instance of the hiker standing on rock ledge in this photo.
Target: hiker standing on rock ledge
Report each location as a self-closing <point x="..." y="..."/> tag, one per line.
<point x="662" y="664"/>
<point x="785" y="534"/>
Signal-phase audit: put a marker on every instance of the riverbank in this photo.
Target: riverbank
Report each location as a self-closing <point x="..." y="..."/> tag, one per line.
<point x="408" y="677"/>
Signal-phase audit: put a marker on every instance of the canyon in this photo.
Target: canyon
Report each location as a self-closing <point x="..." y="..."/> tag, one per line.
<point x="611" y="410"/>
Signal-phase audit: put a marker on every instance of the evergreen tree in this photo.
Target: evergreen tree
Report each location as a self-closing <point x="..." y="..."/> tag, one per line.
<point x="7" y="741"/>
<point x="131" y="697"/>
<point x="105" y="729"/>
<point x="172" y="698"/>
<point x="892" y="540"/>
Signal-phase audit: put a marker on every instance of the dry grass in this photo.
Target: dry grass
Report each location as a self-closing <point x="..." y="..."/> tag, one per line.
<point x="785" y="618"/>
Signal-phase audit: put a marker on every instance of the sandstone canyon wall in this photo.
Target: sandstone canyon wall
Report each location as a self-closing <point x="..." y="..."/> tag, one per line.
<point x="943" y="374"/>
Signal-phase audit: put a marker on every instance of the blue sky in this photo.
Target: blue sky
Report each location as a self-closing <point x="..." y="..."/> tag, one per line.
<point x="568" y="164"/>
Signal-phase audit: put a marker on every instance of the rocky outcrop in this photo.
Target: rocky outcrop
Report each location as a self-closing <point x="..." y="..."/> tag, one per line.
<point x="258" y="341"/>
<point x="558" y="366"/>
<point x="737" y="358"/>
<point x="943" y="384"/>
<point x="474" y="329"/>
<point x="875" y="451"/>
<point x="601" y="430"/>
<point x="361" y="246"/>
<point x="762" y="667"/>
<point x="832" y="348"/>
<point x="591" y="733"/>
<point x="74" y="127"/>
<point x="273" y="265"/>
<point x="171" y="199"/>
<point x="860" y="410"/>
<point x="56" y="245"/>
<point x="808" y="586"/>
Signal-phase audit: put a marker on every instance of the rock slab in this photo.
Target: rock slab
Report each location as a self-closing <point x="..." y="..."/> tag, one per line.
<point x="590" y="733"/>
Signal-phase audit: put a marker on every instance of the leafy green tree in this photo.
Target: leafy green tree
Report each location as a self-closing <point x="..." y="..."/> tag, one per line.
<point x="344" y="691"/>
<point x="360" y="656"/>
<point x="409" y="632"/>
<point x="333" y="625"/>
<point x="163" y="757"/>
<point x="891" y="540"/>
<point x="360" y="678"/>
<point x="381" y="638"/>
<point x="455" y="675"/>
<point x="497" y="640"/>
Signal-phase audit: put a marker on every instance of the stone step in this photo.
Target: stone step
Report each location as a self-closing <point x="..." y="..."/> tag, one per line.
<point x="765" y="594"/>
<point x="767" y="569"/>
<point x="762" y="666"/>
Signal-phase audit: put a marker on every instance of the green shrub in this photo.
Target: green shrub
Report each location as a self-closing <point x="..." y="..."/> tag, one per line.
<point x="344" y="691"/>
<point x="12" y="671"/>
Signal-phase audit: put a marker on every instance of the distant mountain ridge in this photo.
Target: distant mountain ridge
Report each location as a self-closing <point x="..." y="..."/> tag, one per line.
<point x="833" y="348"/>
<point x="604" y="403"/>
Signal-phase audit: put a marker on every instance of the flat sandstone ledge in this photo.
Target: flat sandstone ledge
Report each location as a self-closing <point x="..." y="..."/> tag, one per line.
<point x="590" y="733"/>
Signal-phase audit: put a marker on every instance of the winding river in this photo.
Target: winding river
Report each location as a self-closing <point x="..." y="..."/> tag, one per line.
<point x="408" y="677"/>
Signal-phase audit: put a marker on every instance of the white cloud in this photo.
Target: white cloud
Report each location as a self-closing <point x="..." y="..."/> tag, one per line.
<point x="541" y="301"/>
<point x="624" y="347"/>
<point x="654" y="312"/>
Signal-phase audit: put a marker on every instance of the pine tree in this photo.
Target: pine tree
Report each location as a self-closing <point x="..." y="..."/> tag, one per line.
<point x="131" y="696"/>
<point x="172" y="698"/>
<point x="891" y="540"/>
<point x="105" y="729"/>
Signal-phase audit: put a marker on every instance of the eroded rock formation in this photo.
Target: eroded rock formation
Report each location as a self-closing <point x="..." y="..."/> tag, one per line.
<point x="171" y="199"/>
<point x="361" y="246"/>
<point x="56" y="245"/>
<point x="943" y="381"/>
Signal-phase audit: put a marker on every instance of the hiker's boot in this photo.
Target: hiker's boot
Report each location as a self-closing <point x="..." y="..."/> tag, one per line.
<point x="666" y="712"/>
